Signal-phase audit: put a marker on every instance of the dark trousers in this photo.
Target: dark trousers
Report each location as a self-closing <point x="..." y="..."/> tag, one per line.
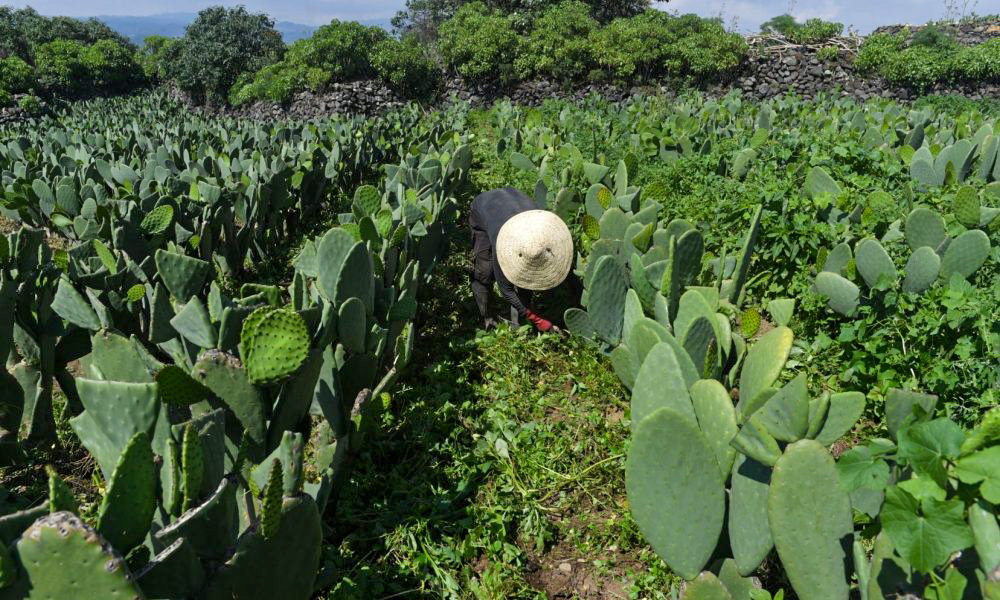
<point x="482" y="277"/>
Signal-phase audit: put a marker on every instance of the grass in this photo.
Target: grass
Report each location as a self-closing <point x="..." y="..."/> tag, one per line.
<point x="498" y="472"/>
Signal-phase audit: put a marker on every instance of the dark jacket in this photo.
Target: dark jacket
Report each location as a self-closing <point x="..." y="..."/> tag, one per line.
<point x="490" y="211"/>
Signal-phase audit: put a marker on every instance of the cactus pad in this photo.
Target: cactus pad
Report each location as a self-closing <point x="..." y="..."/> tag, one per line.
<point x="606" y="300"/>
<point x="296" y="546"/>
<point x="843" y="295"/>
<point x="105" y="256"/>
<point x="278" y="345"/>
<point x="184" y="276"/>
<point x="675" y="490"/>
<point x="660" y="383"/>
<point x="921" y="270"/>
<point x="157" y="220"/>
<point x="845" y="410"/>
<point x="270" y="519"/>
<point x="178" y="388"/>
<point x="706" y="586"/>
<point x="924" y="227"/>
<point x="64" y="558"/>
<point x="810" y="517"/>
<point x="60" y="496"/>
<point x="749" y="532"/>
<point x="367" y="201"/>
<point x="763" y="363"/>
<point x="192" y="467"/>
<point x="965" y="254"/>
<point x="966" y="206"/>
<point x="717" y="420"/>
<point x="126" y="511"/>
<point x="750" y="322"/>
<point x="873" y="263"/>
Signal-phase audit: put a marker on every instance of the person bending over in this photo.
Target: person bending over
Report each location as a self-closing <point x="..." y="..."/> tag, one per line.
<point x="522" y="248"/>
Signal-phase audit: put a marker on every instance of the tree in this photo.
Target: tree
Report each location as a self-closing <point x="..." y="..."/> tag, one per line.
<point x="219" y="46"/>
<point x="423" y="17"/>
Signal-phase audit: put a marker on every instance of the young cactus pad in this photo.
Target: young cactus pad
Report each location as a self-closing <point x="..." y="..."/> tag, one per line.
<point x="279" y="344"/>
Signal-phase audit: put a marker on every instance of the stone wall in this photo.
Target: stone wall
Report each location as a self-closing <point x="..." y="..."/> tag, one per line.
<point x="774" y="68"/>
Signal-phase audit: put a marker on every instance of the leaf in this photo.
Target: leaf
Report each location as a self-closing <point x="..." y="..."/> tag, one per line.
<point x="926" y="446"/>
<point x="984" y="467"/>
<point x="925" y="533"/>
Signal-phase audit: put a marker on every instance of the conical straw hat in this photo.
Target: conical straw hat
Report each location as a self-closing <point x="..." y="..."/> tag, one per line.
<point x="535" y="250"/>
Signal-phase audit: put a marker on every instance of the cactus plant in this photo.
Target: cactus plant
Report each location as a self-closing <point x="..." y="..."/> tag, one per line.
<point x="761" y="368"/>
<point x="675" y="490"/>
<point x="278" y="345"/>
<point x="965" y="254"/>
<point x="810" y="515"/>
<point x="127" y="508"/>
<point x="921" y="270"/>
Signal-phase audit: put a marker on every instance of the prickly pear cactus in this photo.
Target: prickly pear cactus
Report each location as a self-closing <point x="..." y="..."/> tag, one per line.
<point x="192" y="467"/>
<point x="675" y="490"/>
<point x="367" y="201"/>
<point x="178" y="388"/>
<point x="270" y="519"/>
<point x="157" y="220"/>
<point x="810" y="516"/>
<point x="63" y="557"/>
<point x="126" y="511"/>
<point x="750" y="322"/>
<point x="278" y="345"/>
<point x="60" y="496"/>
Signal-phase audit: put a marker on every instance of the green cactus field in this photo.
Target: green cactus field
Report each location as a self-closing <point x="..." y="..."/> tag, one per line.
<point x="243" y="359"/>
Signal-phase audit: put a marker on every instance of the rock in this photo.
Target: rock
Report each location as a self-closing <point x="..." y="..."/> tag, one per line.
<point x="566" y="567"/>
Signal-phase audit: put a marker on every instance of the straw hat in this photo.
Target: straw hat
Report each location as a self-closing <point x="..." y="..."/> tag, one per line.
<point x="535" y="250"/>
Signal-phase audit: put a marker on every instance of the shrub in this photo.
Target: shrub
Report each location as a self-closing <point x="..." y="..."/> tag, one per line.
<point x="919" y="65"/>
<point x="405" y="67"/>
<point x="31" y="105"/>
<point x="156" y="56"/>
<point x="15" y="75"/>
<point x="111" y="66"/>
<point x="559" y="45"/>
<point x="219" y="46"/>
<point x="932" y="36"/>
<point x="828" y="53"/>
<point x="981" y="62"/>
<point x="656" y="43"/>
<point x="6" y="99"/>
<point x="60" y="68"/>
<point x="813" y="31"/>
<point x="339" y="51"/>
<point x="479" y="44"/>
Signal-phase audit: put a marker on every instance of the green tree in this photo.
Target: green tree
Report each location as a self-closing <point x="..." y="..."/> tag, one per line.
<point x="479" y="44"/>
<point x="219" y="46"/>
<point x="111" y="66"/>
<point x="60" y="68"/>
<point x="559" y="45"/>
<point x="15" y="75"/>
<point x="405" y="67"/>
<point x="423" y="17"/>
<point x="156" y="55"/>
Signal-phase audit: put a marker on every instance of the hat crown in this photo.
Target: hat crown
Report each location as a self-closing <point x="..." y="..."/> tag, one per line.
<point x="535" y="250"/>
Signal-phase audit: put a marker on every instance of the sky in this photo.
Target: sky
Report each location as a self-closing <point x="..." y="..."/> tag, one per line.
<point x="746" y="15"/>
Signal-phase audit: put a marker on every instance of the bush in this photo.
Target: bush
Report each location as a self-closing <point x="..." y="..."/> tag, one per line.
<point x="111" y="66"/>
<point x="405" y="67"/>
<point x="339" y="51"/>
<point x="6" y="99"/>
<point x="479" y="44"/>
<point x="156" y="56"/>
<point x="978" y="63"/>
<point x="559" y="45"/>
<point x="60" y="68"/>
<point x="31" y="105"/>
<point x="656" y="43"/>
<point x="917" y="65"/>
<point x="221" y="45"/>
<point x="813" y="31"/>
<point x="932" y="36"/>
<point x="828" y="53"/>
<point x="15" y="75"/>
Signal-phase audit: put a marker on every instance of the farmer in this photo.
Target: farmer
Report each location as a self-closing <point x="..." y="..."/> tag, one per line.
<point x="522" y="248"/>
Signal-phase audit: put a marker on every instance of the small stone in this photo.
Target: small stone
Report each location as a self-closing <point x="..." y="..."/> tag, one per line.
<point x="566" y="567"/>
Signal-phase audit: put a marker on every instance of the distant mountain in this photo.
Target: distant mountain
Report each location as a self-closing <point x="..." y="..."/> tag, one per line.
<point x="173" y="24"/>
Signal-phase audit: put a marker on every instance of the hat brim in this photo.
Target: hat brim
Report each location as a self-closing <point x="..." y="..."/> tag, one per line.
<point x="535" y="250"/>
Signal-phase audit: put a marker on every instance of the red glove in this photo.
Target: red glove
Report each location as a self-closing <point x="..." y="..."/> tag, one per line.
<point x="540" y="323"/>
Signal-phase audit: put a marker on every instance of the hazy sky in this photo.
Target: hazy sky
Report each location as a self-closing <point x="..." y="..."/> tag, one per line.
<point x="863" y="15"/>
